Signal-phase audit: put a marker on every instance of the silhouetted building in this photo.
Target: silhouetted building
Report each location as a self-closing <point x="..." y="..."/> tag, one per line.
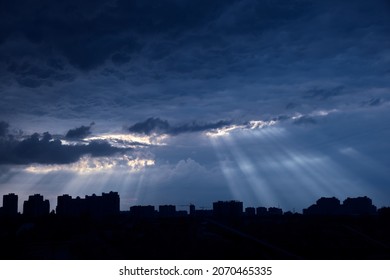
<point x="167" y="210"/>
<point x="324" y="206"/>
<point x="261" y="211"/>
<point x="72" y="207"/>
<point x="274" y="211"/>
<point x="105" y="205"/>
<point x="204" y="213"/>
<point x="10" y="205"/>
<point x="181" y="213"/>
<point x="142" y="211"/>
<point x="192" y="210"/>
<point x="358" y="206"/>
<point x="350" y="206"/>
<point x="250" y="212"/>
<point x="227" y="209"/>
<point x="288" y="214"/>
<point x="384" y="212"/>
<point x="36" y="206"/>
<point x="96" y="206"/>
<point x="66" y="206"/>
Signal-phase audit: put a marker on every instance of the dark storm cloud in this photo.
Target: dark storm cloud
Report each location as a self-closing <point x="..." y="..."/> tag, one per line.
<point x="150" y="125"/>
<point x="197" y="127"/>
<point x="241" y="59"/>
<point x="79" y="132"/>
<point x="33" y="73"/>
<point x="89" y="32"/>
<point x="44" y="149"/>
<point x="157" y="125"/>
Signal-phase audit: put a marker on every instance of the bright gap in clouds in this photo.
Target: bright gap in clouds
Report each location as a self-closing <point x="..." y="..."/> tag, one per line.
<point x="130" y="140"/>
<point x="88" y="164"/>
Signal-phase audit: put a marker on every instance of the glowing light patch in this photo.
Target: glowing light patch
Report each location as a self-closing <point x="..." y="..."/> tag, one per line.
<point x="249" y="126"/>
<point x="323" y="113"/>
<point x="260" y="124"/>
<point x="130" y="140"/>
<point x="297" y="116"/>
<point x="223" y="131"/>
<point x="88" y="165"/>
<point x="72" y="143"/>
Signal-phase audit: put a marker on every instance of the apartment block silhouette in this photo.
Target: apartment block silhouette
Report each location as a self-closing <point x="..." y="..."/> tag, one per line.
<point x="10" y="205"/>
<point x="228" y="209"/>
<point x="96" y="206"/>
<point x="36" y="206"/>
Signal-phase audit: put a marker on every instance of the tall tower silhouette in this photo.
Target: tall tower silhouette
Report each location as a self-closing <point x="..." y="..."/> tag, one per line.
<point x="10" y="205"/>
<point x="35" y="206"/>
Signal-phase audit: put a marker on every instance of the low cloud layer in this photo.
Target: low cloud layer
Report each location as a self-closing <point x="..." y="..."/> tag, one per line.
<point x="157" y="125"/>
<point x="79" y="132"/>
<point x="43" y="149"/>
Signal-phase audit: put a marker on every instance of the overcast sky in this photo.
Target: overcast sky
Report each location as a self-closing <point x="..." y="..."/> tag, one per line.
<point x="271" y="102"/>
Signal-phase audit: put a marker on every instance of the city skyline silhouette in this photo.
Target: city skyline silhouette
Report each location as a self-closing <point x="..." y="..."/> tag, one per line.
<point x="109" y="204"/>
<point x="94" y="228"/>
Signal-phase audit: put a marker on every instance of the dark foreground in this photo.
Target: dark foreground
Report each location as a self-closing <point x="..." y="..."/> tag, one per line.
<point x="281" y="237"/>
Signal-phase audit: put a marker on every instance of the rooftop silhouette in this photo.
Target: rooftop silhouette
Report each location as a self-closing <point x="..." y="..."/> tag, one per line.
<point x="36" y="206"/>
<point x="93" y="228"/>
<point x="108" y="204"/>
<point x="350" y="206"/>
<point x="10" y="205"/>
<point x="98" y="206"/>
